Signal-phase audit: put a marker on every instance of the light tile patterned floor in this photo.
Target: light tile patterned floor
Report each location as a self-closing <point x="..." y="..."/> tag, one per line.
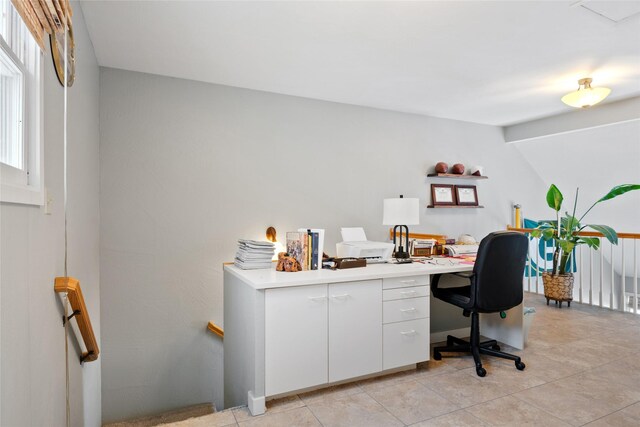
<point x="583" y="368"/>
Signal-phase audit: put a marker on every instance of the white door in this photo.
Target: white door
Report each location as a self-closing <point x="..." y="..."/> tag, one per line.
<point x="295" y="338"/>
<point x="355" y="329"/>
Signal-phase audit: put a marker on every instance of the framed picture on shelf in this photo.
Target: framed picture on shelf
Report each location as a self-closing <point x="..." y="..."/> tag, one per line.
<point x="443" y="195"/>
<point x="466" y="195"/>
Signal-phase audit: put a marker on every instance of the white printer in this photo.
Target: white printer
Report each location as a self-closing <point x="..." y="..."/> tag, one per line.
<point x="356" y="245"/>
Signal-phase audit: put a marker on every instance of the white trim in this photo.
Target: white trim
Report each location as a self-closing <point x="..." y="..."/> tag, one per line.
<point x="532" y="138"/>
<point x="31" y="193"/>
<point x="256" y="405"/>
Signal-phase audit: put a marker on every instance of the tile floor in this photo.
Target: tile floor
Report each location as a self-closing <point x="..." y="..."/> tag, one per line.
<point x="583" y="368"/>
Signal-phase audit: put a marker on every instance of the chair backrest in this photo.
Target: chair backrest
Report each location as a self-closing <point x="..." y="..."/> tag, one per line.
<point x="499" y="270"/>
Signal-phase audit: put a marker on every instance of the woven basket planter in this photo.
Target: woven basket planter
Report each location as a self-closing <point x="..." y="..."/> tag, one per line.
<point x="558" y="288"/>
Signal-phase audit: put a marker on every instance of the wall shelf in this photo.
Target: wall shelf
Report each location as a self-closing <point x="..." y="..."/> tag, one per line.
<point x="454" y="176"/>
<point x="454" y="207"/>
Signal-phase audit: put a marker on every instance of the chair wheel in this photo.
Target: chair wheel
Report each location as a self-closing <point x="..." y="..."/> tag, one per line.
<point x="481" y="371"/>
<point x="495" y="347"/>
<point x="520" y="366"/>
<point x="437" y="355"/>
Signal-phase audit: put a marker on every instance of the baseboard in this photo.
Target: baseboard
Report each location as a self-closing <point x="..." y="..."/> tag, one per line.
<point x="256" y="405"/>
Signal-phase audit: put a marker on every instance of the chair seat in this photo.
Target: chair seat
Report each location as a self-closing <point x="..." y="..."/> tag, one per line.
<point x="460" y="296"/>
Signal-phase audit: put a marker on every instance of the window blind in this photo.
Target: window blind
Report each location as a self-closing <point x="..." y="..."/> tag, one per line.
<point x="44" y="17"/>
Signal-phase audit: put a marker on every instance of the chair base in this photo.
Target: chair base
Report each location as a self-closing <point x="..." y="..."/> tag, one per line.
<point x="476" y="348"/>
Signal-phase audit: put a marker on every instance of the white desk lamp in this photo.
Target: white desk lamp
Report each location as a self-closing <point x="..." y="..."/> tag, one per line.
<point x="400" y="213"/>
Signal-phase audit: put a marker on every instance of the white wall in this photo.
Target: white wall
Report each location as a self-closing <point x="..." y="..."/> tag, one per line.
<point x="32" y="254"/>
<point x="595" y="160"/>
<point x="187" y="168"/>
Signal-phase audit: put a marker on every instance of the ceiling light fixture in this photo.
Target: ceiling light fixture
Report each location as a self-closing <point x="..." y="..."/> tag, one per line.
<point x="586" y="96"/>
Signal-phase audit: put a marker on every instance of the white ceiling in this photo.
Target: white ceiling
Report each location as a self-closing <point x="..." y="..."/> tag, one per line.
<point x="488" y="62"/>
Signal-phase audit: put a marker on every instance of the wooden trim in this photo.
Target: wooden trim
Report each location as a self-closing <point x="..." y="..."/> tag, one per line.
<point x="454" y="206"/>
<point x="71" y="287"/>
<point x="582" y="233"/>
<point x="454" y="176"/>
<point x="215" y="329"/>
<point x="440" y="238"/>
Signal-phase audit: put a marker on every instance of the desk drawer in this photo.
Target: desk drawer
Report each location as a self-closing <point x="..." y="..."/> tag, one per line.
<point x="405" y="309"/>
<point x="405" y="281"/>
<point x="404" y="293"/>
<point x="405" y="343"/>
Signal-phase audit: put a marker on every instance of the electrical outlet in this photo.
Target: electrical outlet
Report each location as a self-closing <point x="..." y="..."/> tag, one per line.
<point x="48" y="202"/>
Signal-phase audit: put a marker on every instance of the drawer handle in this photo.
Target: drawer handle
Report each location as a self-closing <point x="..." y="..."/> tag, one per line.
<point x="408" y="281"/>
<point x="408" y="310"/>
<point x="408" y="293"/>
<point x="410" y="333"/>
<point x="342" y="296"/>
<point x="319" y="298"/>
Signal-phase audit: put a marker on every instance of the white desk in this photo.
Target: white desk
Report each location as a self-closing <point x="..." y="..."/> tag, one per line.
<point x="286" y="332"/>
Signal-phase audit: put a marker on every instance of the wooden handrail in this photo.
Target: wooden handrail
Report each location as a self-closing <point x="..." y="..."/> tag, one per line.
<point x="71" y="287"/>
<point x="440" y="238"/>
<point x="215" y="329"/>
<point x="582" y="233"/>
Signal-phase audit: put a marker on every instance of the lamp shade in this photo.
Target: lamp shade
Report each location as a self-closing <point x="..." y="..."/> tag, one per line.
<point x="401" y="211"/>
<point x="586" y="96"/>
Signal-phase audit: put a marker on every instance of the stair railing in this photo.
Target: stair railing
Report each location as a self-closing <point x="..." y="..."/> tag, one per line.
<point x="607" y="277"/>
<point x="71" y="287"/>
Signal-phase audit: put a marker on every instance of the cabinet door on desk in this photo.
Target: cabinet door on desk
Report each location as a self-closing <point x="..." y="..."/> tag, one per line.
<point x="295" y="338"/>
<point x="406" y="343"/>
<point x="355" y="329"/>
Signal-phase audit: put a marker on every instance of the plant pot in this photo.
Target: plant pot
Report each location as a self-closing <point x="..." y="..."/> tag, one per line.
<point x="558" y="287"/>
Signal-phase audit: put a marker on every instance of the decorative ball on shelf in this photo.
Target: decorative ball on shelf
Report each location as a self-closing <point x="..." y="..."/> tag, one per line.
<point x="476" y="170"/>
<point x="457" y="169"/>
<point x="442" y="167"/>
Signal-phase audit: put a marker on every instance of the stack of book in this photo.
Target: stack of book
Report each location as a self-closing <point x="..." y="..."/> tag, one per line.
<point x="306" y="247"/>
<point x="254" y="255"/>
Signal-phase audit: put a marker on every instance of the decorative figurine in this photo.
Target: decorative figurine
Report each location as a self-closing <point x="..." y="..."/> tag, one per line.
<point x="457" y="169"/>
<point x="287" y="263"/>
<point x="476" y="171"/>
<point x="442" y="167"/>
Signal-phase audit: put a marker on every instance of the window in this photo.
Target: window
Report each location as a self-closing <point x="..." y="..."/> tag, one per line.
<point x="20" y="111"/>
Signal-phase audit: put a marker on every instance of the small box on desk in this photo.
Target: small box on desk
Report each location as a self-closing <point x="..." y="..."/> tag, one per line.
<point x="422" y="247"/>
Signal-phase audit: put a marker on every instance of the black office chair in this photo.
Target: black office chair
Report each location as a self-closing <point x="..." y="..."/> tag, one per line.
<point x="496" y="286"/>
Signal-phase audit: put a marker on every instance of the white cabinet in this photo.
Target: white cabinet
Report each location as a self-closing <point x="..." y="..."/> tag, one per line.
<point x="355" y="329"/>
<point x="286" y="332"/>
<point x="406" y="321"/>
<point x="405" y="309"/>
<point x="296" y="344"/>
<point x="322" y="333"/>
<point x="403" y="293"/>
<point x="405" y="281"/>
<point x="406" y="343"/>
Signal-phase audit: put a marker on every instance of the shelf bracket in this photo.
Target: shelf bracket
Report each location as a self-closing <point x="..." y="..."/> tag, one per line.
<point x="65" y="319"/>
<point x="85" y="357"/>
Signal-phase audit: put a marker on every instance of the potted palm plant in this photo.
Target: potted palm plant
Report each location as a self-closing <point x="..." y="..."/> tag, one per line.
<point x="565" y="234"/>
